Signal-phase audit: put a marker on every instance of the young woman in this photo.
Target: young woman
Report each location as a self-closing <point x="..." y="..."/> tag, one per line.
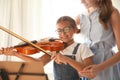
<point x="101" y="26"/>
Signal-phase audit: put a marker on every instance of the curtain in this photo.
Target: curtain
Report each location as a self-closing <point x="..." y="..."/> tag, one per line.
<point x="34" y="19"/>
<point x="23" y="18"/>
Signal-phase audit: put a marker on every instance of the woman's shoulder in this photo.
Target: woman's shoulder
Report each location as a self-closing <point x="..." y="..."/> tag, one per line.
<point x="115" y="16"/>
<point x="115" y="13"/>
<point x="115" y="10"/>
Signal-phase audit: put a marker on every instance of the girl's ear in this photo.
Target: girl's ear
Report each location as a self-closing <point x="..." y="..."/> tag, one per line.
<point x="77" y="30"/>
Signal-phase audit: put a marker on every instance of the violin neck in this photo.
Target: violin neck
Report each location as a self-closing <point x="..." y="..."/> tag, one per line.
<point x="25" y="44"/>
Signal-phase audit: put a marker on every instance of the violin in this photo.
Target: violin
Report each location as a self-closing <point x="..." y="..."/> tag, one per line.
<point x="48" y="45"/>
<point x="38" y="46"/>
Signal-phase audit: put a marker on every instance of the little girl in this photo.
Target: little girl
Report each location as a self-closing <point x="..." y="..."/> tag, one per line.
<point x="67" y="62"/>
<point x="74" y="57"/>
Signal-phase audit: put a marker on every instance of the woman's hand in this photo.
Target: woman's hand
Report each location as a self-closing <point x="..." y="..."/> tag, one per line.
<point x="90" y="71"/>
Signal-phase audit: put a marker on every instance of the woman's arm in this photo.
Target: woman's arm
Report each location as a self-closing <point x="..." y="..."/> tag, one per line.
<point x="115" y="22"/>
<point x="93" y="70"/>
<point x="77" y="19"/>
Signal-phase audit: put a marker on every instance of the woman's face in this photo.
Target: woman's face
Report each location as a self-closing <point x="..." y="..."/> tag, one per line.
<point x="65" y="31"/>
<point x="88" y="3"/>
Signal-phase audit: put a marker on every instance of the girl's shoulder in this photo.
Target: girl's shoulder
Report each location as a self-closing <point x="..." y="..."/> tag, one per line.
<point x="82" y="45"/>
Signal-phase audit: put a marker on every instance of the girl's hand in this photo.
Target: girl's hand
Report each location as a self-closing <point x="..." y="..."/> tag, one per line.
<point x="9" y="51"/>
<point x="59" y="58"/>
<point x="1" y="51"/>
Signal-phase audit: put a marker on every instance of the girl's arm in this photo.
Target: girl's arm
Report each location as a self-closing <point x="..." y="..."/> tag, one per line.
<point x="59" y="58"/>
<point x="12" y="52"/>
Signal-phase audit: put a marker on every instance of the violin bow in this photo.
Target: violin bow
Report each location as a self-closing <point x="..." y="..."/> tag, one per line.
<point x="23" y="39"/>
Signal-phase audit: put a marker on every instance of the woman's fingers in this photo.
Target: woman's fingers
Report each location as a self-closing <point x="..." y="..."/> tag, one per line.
<point x="88" y="72"/>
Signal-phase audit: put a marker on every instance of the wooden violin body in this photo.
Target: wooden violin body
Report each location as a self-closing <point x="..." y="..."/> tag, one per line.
<point x="55" y="45"/>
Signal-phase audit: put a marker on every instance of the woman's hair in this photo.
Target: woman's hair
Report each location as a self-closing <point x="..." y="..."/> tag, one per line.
<point x="70" y="20"/>
<point x="106" y="10"/>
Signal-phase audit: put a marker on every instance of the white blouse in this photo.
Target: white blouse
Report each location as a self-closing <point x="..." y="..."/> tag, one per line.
<point x="82" y="53"/>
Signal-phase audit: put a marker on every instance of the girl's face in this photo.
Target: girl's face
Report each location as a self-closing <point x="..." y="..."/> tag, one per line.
<point x="88" y="3"/>
<point x="65" y="31"/>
